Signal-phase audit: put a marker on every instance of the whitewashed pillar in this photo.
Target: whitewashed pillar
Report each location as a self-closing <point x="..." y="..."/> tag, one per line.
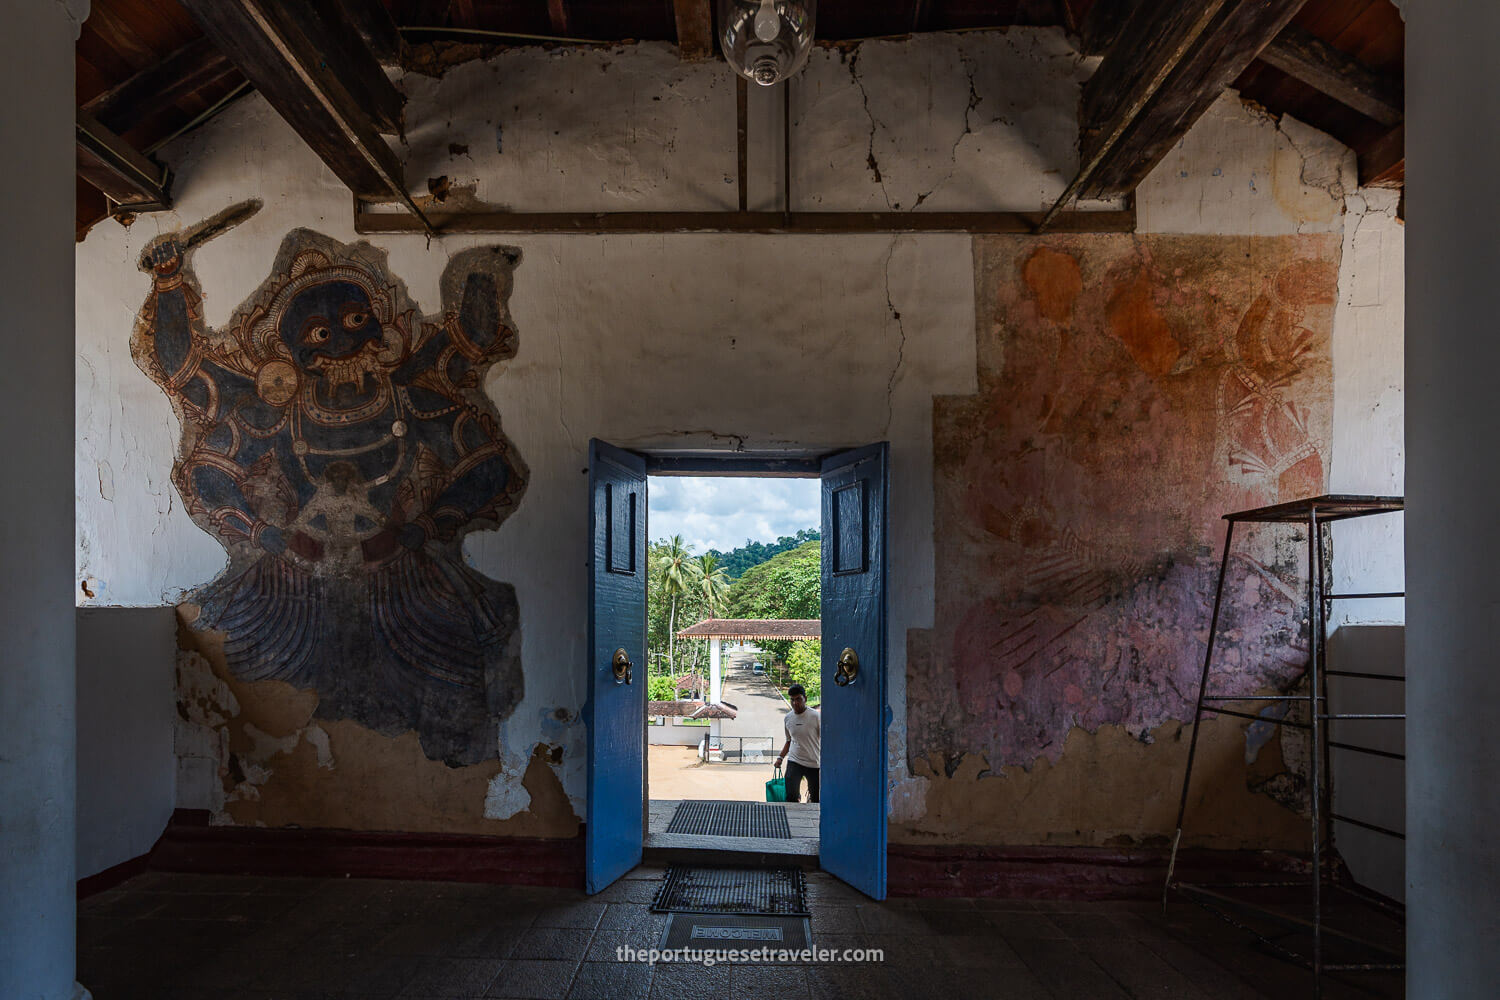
<point x="38" y="782"/>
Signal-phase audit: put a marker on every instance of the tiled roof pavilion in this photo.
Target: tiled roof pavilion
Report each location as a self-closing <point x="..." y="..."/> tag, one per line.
<point x="754" y="628"/>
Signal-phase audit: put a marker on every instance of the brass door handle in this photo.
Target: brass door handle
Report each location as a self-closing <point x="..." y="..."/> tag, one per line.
<point x="848" y="668"/>
<point x="621" y="666"/>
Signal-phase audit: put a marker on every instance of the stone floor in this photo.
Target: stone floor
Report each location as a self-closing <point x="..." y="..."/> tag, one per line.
<point x="171" y="937"/>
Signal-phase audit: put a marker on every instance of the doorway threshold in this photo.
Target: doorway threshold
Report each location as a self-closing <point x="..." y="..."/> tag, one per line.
<point x="800" y="850"/>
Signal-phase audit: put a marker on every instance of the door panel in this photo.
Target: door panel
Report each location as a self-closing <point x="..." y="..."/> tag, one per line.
<point x="615" y="711"/>
<point x="855" y="716"/>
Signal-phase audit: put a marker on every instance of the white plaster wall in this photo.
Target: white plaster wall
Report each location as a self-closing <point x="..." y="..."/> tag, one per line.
<point x="828" y="341"/>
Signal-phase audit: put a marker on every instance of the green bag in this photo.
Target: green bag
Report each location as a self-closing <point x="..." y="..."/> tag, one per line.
<point x="776" y="787"/>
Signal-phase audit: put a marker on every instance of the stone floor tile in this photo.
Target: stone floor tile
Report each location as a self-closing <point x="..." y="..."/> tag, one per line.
<point x="1022" y="926"/>
<point x="670" y="981"/>
<point x="1065" y="970"/>
<point x="611" y="980"/>
<point x="850" y="982"/>
<point x="835" y="920"/>
<point x="452" y="977"/>
<point x="527" y="979"/>
<point x="584" y="916"/>
<point x="606" y="944"/>
<point x="563" y="943"/>
<point x="1085" y="925"/>
<point x="1140" y="971"/>
<point x="880" y="919"/>
<point x="780" y="982"/>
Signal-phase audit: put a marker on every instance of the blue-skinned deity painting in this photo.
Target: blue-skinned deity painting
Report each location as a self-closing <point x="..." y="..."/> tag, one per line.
<point x="340" y="445"/>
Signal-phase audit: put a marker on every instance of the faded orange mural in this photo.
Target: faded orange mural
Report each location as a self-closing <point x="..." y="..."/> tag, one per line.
<point x="1132" y="390"/>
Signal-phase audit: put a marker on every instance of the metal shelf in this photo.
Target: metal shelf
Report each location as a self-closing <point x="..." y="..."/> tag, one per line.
<point x="1315" y="513"/>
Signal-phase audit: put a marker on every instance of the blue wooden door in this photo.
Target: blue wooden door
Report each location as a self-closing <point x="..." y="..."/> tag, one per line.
<point x="615" y="710"/>
<point x="855" y="714"/>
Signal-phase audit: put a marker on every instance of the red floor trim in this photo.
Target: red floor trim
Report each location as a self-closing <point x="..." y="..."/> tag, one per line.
<point x="92" y="885"/>
<point x="191" y="845"/>
<point x="1066" y="872"/>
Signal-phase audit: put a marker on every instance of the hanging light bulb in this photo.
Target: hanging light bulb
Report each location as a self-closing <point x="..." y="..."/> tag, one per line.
<point x="766" y="40"/>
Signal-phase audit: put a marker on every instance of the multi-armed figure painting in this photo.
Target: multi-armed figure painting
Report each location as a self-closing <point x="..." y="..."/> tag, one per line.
<point x="340" y="445"/>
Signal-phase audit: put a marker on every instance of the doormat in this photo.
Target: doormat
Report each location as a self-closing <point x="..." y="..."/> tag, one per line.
<point x="730" y="819"/>
<point x="719" y="931"/>
<point x="746" y="891"/>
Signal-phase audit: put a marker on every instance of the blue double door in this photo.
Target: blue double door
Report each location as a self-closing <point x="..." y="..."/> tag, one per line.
<point x="855" y="706"/>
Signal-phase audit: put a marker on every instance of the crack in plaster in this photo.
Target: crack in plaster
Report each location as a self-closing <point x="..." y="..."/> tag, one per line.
<point x="738" y="439"/>
<point x="890" y="385"/>
<point x="864" y="94"/>
<point x="970" y="70"/>
<point x="1331" y="182"/>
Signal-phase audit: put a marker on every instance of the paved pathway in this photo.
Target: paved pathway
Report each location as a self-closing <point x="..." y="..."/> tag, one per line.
<point x="761" y="708"/>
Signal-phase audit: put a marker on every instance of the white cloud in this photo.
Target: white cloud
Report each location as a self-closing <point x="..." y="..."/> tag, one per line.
<point x="721" y="513"/>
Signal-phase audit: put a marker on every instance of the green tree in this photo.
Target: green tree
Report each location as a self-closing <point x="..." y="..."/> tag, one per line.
<point x="661" y="688"/>
<point x="805" y="665"/>
<point x="736" y="561"/>
<point x="673" y="560"/>
<point x="787" y="586"/>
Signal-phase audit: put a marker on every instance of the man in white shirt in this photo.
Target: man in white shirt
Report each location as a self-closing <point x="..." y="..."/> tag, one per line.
<point x="804" y="738"/>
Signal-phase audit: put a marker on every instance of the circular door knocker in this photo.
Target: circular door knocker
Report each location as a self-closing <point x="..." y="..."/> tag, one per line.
<point x="848" y="668"/>
<point x="621" y="666"/>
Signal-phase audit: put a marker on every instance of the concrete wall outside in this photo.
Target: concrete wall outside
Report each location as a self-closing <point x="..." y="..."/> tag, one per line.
<point x="675" y="735"/>
<point x="127" y="714"/>
<point x="1453" y="767"/>
<point x="832" y="341"/>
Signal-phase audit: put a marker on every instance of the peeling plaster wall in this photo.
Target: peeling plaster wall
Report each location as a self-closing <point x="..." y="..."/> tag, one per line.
<point x="830" y="341"/>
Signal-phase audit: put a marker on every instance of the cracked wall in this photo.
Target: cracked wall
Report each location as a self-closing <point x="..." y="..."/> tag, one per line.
<point x="708" y="341"/>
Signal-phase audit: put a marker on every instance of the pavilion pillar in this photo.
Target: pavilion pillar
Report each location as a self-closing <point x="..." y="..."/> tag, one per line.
<point x="715" y="674"/>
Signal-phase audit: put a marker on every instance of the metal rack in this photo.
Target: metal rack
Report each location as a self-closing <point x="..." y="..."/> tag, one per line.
<point x="1221" y="899"/>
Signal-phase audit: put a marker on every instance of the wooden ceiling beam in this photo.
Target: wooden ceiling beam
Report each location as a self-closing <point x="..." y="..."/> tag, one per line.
<point x="1102" y="25"/>
<point x="430" y="13"/>
<point x="557" y="17"/>
<point x="1382" y="163"/>
<point x="921" y="11"/>
<point x="1308" y="58"/>
<point x="1172" y="60"/>
<point x="196" y="65"/>
<point x="310" y="64"/>
<point x="119" y="170"/>
<point x="376" y="26"/>
<point x="695" y="29"/>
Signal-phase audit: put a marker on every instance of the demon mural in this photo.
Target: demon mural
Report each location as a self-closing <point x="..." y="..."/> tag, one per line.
<point x="1132" y="390"/>
<point x="340" y="445"/>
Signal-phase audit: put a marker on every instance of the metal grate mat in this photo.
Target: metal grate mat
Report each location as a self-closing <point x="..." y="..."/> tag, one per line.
<point x="748" y="891"/>
<point x="730" y="819"/>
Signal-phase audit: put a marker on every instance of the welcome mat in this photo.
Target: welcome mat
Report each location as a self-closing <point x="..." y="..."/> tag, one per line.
<point x="746" y="891"/>
<point x="721" y="931"/>
<point x="730" y="819"/>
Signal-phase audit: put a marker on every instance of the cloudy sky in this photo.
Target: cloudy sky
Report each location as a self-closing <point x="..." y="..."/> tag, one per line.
<point x="720" y="513"/>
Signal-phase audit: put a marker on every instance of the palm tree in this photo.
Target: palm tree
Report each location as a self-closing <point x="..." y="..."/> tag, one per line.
<point x="713" y="584"/>
<point x="678" y="575"/>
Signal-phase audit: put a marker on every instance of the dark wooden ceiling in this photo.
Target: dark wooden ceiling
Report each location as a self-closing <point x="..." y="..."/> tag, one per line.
<point x="145" y="71"/>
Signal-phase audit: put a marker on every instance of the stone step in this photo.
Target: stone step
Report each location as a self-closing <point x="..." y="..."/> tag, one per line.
<point x="753" y="852"/>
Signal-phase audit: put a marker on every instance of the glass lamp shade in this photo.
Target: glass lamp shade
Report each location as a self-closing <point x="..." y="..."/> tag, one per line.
<point x="766" y="40"/>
